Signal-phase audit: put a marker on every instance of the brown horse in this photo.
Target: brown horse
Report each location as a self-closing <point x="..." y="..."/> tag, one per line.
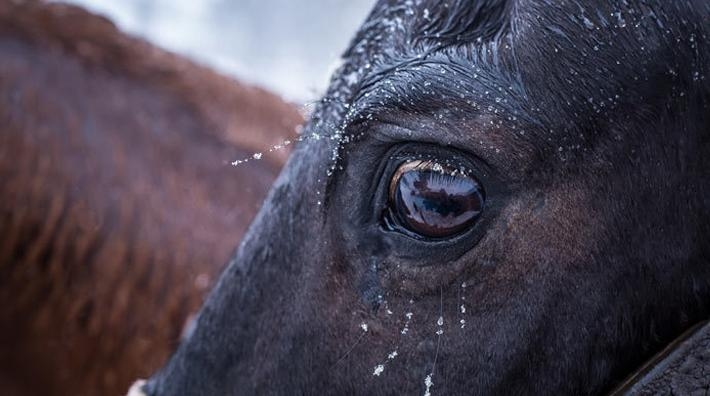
<point x="118" y="206"/>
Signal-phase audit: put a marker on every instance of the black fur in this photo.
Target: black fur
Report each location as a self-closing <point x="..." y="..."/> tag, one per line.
<point x="588" y="124"/>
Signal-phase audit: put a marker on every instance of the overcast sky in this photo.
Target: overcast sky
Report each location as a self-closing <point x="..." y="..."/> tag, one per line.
<point x="287" y="46"/>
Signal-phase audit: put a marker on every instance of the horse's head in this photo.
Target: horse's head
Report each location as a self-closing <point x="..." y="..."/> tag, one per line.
<point x="494" y="196"/>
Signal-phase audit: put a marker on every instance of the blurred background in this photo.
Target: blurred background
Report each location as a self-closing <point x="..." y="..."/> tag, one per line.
<point x="289" y="47"/>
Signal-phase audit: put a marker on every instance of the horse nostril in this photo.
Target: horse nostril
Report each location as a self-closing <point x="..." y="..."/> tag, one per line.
<point x="137" y="388"/>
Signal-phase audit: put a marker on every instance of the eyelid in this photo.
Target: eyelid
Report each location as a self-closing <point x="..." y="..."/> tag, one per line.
<point x="402" y="169"/>
<point x="476" y="140"/>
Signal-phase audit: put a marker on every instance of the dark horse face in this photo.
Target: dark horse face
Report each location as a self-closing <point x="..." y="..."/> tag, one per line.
<point x="493" y="197"/>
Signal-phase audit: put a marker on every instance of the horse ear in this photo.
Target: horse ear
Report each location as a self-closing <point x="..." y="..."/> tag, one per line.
<point x="682" y="362"/>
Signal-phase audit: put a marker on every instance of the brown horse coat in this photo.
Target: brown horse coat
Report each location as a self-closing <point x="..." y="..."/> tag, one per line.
<point x="118" y="206"/>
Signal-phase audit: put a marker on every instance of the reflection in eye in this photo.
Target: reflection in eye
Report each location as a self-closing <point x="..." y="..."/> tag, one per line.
<point x="433" y="200"/>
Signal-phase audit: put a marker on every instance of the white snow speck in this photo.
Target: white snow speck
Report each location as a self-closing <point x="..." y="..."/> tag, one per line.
<point x="428" y="382"/>
<point x="351" y="78"/>
<point x="378" y="370"/>
<point x="408" y="315"/>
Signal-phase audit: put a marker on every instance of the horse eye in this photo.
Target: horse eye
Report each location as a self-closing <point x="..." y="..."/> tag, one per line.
<point x="433" y="200"/>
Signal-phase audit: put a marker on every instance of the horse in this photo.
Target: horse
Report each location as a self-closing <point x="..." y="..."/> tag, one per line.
<point x="497" y="197"/>
<point x="118" y="202"/>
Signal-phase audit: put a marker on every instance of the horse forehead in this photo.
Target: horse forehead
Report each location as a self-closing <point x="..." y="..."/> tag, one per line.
<point x="400" y="28"/>
<point x="449" y="22"/>
<point x="493" y="35"/>
<point x="538" y="46"/>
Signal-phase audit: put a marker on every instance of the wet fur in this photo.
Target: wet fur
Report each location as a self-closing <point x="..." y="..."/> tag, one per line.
<point x="592" y="136"/>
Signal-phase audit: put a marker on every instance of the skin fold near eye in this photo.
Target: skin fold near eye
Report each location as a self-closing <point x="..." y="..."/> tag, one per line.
<point x="433" y="200"/>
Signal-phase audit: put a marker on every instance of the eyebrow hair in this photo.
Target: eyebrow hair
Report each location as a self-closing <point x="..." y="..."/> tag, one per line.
<point x="423" y="85"/>
<point x="476" y="123"/>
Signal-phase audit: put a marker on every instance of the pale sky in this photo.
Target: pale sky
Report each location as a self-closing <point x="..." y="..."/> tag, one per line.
<point x="287" y="46"/>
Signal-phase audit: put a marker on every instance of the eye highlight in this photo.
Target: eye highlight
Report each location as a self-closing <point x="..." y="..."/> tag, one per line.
<point x="432" y="200"/>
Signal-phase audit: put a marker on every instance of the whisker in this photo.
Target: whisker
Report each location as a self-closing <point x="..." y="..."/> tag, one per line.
<point x="428" y="379"/>
<point x="462" y="308"/>
<point x="276" y="147"/>
<point x="363" y="326"/>
<point x="381" y="367"/>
